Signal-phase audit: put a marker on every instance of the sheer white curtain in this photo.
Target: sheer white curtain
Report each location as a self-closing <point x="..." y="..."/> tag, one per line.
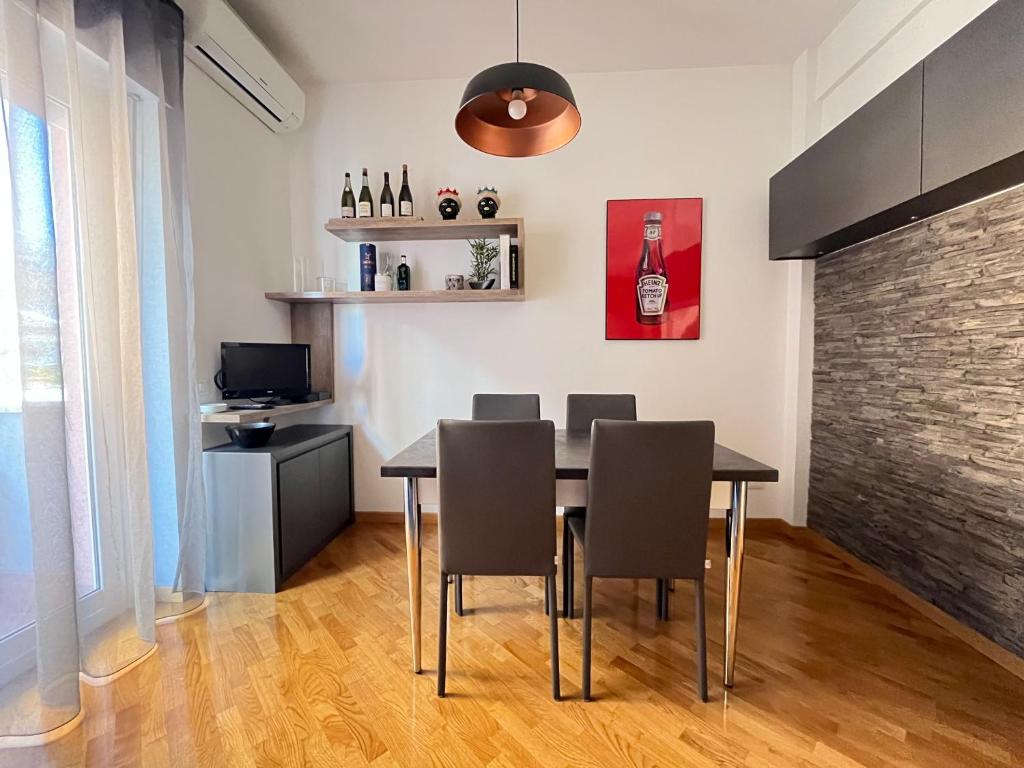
<point x="101" y="502"/>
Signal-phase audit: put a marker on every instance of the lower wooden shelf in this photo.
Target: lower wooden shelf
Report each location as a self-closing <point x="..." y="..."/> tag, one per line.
<point x="247" y="416"/>
<point x="396" y="297"/>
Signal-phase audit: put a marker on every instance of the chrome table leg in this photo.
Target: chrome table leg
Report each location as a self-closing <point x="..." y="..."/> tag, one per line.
<point x="734" y="539"/>
<point x="413" y="557"/>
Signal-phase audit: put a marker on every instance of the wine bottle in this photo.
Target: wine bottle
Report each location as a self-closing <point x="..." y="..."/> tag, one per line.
<point x="405" y="194"/>
<point x="348" y="199"/>
<point x="387" y="200"/>
<point x="364" y="208"/>
<point x="404" y="276"/>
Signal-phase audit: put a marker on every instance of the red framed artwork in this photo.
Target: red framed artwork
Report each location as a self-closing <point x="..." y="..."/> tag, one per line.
<point x="652" y="269"/>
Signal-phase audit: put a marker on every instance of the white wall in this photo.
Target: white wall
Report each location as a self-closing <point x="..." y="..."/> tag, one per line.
<point x="238" y="185"/>
<point x="713" y="133"/>
<point x="871" y="47"/>
<point x="716" y="133"/>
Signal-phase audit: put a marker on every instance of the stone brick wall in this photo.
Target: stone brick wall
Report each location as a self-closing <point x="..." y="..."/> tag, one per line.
<point x="917" y="436"/>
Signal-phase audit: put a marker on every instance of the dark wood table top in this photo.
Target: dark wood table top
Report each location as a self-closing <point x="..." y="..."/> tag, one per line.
<point x="572" y="461"/>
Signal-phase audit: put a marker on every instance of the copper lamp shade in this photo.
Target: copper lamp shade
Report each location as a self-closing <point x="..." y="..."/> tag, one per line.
<point x="551" y="120"/>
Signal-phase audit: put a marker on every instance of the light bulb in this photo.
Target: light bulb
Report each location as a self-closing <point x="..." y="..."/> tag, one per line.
<point x="517" y="107"/>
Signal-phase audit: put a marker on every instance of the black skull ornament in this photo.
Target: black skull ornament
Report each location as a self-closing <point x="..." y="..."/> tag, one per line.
<point x="448" y="203"/>
<point x="487" y="202"/>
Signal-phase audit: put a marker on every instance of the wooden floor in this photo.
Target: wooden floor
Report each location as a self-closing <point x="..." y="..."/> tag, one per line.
<point x="832" y="671"/>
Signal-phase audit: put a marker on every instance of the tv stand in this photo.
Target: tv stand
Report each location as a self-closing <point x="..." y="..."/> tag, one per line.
<point x="269" y="510"/>
<point x="246" y="416"/>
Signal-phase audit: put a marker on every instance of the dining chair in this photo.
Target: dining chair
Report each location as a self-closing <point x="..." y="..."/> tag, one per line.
<point x="506" y="407"/>
<point x="498" y="407"/>
<point x="648" y="496"/>
<point x="580" y="412"/>
<point x="496" y="486"/>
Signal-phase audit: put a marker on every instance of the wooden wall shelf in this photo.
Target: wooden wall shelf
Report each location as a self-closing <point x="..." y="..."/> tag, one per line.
<point x="395" y="297"/>
<point x="390" y="229"/>
<point x="247" y="417"/>
<point x="312" y="313"/>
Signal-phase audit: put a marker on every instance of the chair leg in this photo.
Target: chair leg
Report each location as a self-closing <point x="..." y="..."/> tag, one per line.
<point x="665" y="590"/>
<point x="571" y="571"/>
<point x="702" y="649"/>
<point x="442" y="634"/>
<point x="588" y="582"/>
<point x="549" y="587"/>
<point x="458" y="595"/>
<point x="566" y="534"/>
<point x="659" y="590"/>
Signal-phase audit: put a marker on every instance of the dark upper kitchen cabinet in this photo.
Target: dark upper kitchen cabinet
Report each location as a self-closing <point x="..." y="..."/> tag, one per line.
<point x="946" y="133"/>
<point x="974" y="98"/>
<point x="868" y="164"/>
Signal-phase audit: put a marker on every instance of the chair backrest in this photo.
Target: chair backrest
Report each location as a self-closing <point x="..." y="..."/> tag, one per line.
<point x="581" y="410"/>
<point x="506" y="407"/>
<point x="649" y="492"/>
<point x="496" y="483"/>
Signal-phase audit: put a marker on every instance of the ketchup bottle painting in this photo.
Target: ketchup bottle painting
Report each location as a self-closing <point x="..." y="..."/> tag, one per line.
<point x="652" y="268"/>
<point x="651" y="277"/>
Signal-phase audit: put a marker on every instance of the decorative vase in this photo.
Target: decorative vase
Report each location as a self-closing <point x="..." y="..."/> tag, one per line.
<point x="448" y="203"/>
<point x="481" y="285"/>
<point x="487" y="202"/>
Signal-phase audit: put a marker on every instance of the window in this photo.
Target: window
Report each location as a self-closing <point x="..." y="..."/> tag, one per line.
<point x="144" y="124"/>
<point x="17" y="603"/>
<point x="68" y="353"/>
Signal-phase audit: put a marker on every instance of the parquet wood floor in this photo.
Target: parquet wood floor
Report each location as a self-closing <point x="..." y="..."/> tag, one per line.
<point x="832" y="671"/>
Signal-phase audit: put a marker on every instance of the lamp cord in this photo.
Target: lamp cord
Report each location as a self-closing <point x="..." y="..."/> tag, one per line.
<point x="517" y="31"/>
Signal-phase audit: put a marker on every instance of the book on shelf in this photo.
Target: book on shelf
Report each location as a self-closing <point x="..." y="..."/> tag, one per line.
<point x="504" y="269"/>
<point x="513" y="261"/>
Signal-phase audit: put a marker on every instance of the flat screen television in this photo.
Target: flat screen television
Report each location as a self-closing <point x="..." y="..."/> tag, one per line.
<point x="264" y="370"/>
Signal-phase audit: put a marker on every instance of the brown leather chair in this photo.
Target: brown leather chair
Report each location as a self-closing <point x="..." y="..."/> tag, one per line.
<point x="580" y="412"/>
<point x="500" y="408"/>
<point x="496" y="484"/>
<point x="648" y="495"/>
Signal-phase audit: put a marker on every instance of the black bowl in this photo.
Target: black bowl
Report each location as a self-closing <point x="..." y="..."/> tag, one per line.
<point x="253" y="435"/>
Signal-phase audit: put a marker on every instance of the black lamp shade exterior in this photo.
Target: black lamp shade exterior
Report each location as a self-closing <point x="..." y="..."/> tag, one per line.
<point x="552" y="119"/>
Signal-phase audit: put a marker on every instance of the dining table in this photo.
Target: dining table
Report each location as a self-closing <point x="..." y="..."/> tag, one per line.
<point x="733" y="472"/>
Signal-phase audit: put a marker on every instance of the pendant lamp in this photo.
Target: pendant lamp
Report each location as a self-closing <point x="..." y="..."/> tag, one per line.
<point x="517" y="109"/>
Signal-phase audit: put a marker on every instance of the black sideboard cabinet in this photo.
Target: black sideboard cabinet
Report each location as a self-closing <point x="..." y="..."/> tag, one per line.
<point x="946" y="133"/>
<point x="271" y="509"/>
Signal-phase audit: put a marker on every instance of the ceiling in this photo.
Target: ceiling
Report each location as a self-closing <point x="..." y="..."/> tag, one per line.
<point x="325" y="41"/>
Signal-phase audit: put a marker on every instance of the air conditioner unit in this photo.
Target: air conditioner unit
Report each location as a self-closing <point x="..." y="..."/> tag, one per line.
<point x="226" y="49"/>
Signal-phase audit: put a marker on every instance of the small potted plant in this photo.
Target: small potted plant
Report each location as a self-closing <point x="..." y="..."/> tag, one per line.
<point x="483" y="254"/>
